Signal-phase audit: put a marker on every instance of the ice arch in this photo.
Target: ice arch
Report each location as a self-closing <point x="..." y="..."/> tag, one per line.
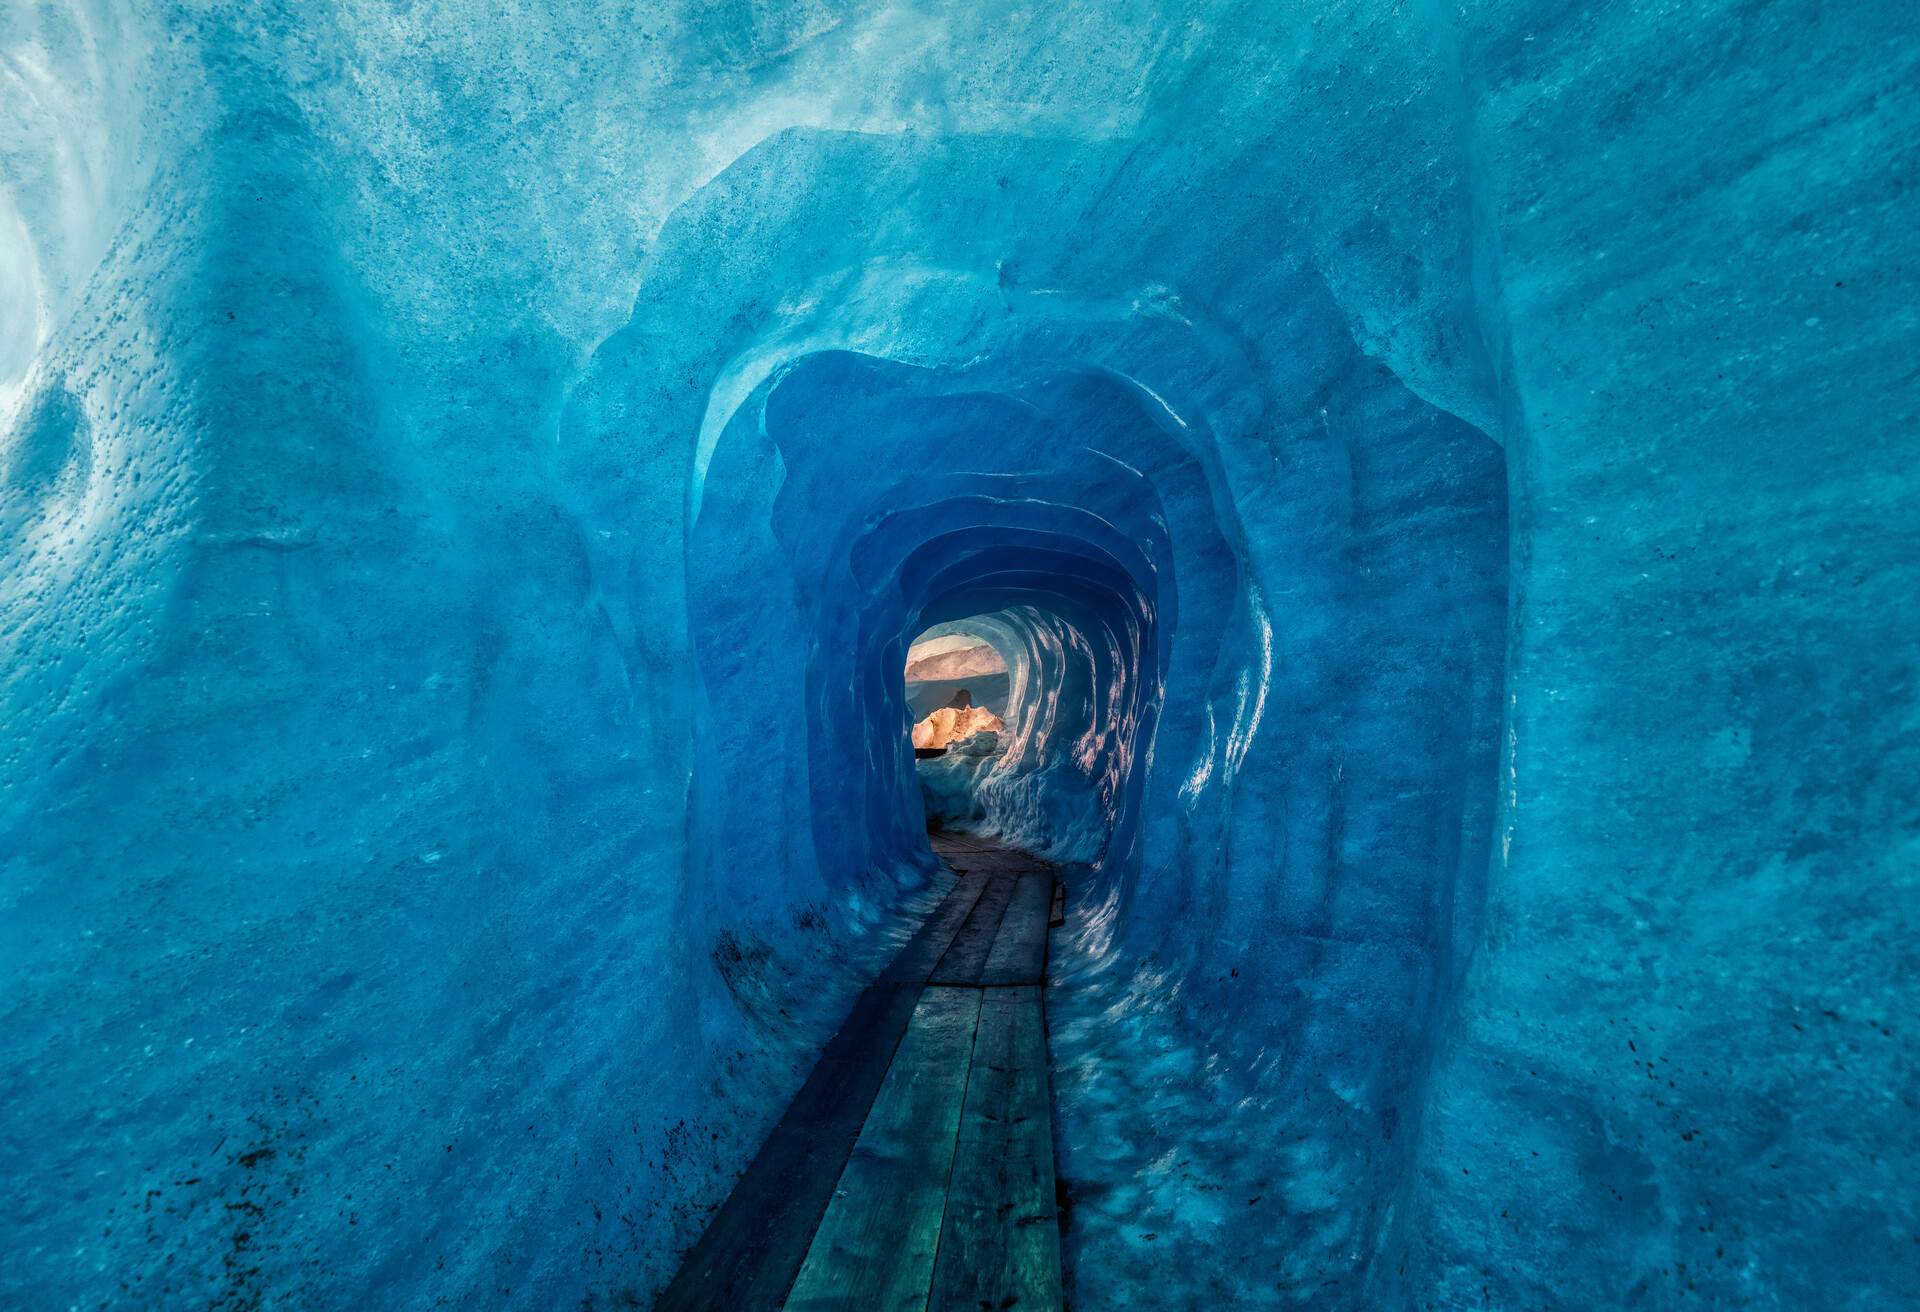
<point x="1108" y="449"/>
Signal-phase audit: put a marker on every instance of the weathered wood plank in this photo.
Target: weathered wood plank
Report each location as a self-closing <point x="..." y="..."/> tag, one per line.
<point x="972" y="856"/>
<point x="916" y="961"/>
<point x="1019" y="954"/>
<point x="756" y="1241"/>
<point x="808" y="1175"/>
<point x="876" y="1246"/>
<point x="966" y="959"/>
<point x="1000" y="1241"/>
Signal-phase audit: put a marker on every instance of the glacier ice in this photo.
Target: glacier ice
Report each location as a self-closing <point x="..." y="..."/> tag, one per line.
<point x="1440" y="480"/>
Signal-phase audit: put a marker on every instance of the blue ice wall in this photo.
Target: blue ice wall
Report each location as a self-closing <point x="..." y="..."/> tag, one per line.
<point x="467" y="480"/>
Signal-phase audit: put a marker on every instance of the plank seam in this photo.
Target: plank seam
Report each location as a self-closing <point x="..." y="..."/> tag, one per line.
<point x="933" y="1269"/>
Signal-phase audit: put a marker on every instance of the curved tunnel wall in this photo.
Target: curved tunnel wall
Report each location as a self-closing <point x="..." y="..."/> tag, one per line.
<point x="945" y="502"/>
<point x="1079" y="508"/>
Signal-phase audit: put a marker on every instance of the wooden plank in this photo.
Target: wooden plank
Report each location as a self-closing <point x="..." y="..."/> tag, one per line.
<point x="1000" y="1241"/>
<point x="877" y="1244"/>
<point x="982" y="857"/>
<point x="966" y="959"/>
<point x="916" y="961"/>
<point x="756" y="1241"/>
<point x="1019" y="954"/>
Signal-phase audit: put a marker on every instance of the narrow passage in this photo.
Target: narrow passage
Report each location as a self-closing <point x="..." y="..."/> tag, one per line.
<point x="914" y="1169"/>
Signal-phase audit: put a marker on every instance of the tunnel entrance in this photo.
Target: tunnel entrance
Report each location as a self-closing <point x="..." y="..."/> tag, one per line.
<point x="959" y="735"/>
<point x="956" y="687"/>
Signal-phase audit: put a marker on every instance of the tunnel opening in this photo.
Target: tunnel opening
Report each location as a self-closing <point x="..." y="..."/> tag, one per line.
<point x="1039" y="753"/>
<point x="956" y="688"/>
<point x="950" y="659"/>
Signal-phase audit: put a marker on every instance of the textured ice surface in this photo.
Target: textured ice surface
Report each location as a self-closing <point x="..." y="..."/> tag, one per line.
<point x="1447" y="471"/>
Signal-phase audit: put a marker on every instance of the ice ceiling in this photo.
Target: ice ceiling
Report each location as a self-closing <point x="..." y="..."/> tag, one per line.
<point x="471" y="478"/>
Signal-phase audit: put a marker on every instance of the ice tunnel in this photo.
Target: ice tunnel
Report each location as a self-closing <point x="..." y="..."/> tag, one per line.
<point x="1432" y="488"/>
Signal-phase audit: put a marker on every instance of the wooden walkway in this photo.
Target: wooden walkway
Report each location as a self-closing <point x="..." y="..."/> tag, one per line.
<point x="914" y="1169"/>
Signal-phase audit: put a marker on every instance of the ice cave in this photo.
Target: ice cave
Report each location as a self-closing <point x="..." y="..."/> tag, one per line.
<point x="842" y="655"/>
